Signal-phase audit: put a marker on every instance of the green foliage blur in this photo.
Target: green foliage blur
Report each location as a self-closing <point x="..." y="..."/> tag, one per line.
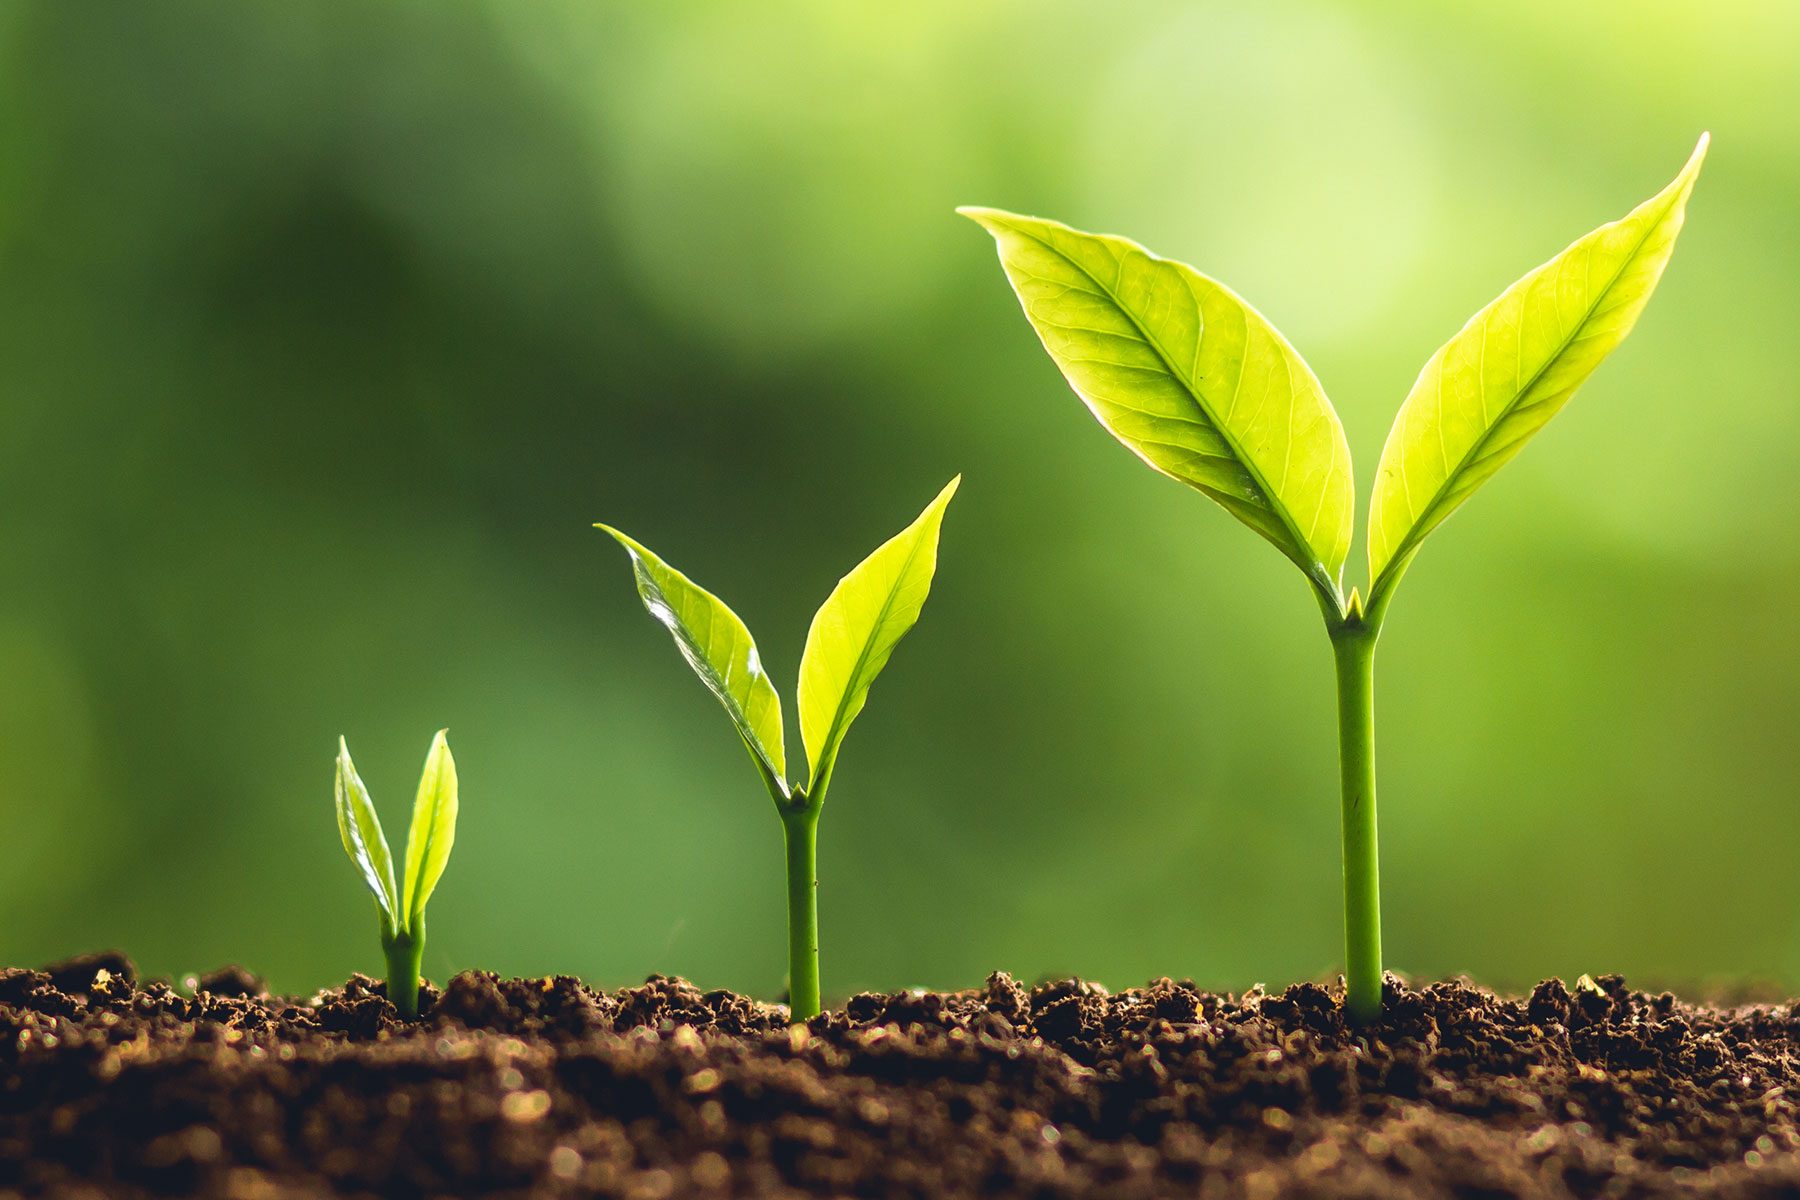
<point x="328" y="329"/>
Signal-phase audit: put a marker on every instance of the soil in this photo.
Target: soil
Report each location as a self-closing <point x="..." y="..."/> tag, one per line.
<point x="115" y="1087"/>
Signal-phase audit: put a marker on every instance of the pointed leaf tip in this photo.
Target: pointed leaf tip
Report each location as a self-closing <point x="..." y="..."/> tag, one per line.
<point x="855" y="631"/>
<point x="1507" y="372"/>
<point x="433" y="832"/>
<point x="718" y="647"/>
<point x="359" y="827"/>
<point x="1700" y="148"/>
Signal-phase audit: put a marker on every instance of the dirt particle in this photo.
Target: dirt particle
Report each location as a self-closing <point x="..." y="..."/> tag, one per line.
<point x="231" y="980"/>
<point x="80" y="974"/>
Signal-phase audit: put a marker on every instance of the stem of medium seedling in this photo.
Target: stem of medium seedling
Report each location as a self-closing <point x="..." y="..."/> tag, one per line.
<point x="405" y="952"/>
<point x="1353" y="647"/>
<point x="800" y="826"/>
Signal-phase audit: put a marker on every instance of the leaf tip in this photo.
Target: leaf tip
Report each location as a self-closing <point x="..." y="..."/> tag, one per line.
<point x="1692" y="168"/>
<point x="1682" y="186"/>
<point x="625" y="540"/>
<point x="989" y="219"/>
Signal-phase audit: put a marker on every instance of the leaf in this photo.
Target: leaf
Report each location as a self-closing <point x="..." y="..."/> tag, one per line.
<point x="1511" y="368"/>
<point x="433" y="830"/>
<point x="364" y="842"/>
<point x="1191" y="379"/>
<point x="855" y="631"/>
<point x="719" y="649"/>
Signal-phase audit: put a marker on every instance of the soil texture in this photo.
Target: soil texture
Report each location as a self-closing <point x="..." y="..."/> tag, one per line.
<point x="115" y="1087"/>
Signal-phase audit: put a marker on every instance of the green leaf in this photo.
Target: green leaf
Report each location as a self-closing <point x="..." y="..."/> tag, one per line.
<point x="1510" y="369"/>
<point x="719" y="649"/>
<point x="1191" y="379"/>
<point x="855" y="631"/>
<point x="363" y="840"/>
<point x="433" y="830"/>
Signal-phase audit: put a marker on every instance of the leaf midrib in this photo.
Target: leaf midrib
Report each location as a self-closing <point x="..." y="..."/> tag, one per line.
<point x="415" y="908"/>
<point x="829" y="750"/>
<point x="384" y="880"/>
<point x="1269" y="497"/>
<point x="1412" y="539"/>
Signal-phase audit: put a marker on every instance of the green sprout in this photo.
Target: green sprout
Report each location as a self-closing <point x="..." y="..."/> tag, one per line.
<point x="1201" y="387"/>
<point x="851" y="637"/>
<point x="428" y="846"/>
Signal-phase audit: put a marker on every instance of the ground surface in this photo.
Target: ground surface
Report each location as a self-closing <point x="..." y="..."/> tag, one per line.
<point x="111" y="1087"/>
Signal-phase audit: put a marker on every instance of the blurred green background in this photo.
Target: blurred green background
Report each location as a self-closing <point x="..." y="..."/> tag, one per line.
<point x="327" y="329"/>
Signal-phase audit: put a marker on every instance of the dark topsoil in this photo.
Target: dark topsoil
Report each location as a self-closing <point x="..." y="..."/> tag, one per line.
<point x="541" y="1087"/>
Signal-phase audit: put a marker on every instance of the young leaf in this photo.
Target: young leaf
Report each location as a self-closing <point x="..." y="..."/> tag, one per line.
<point x="1191" y="379"/>
<point x="364" y="842"/>
<point x="718" y="648"/>
<point x="1510" y="369"/>
<point x="433" y="830"/>
<point x="855" y="631"/>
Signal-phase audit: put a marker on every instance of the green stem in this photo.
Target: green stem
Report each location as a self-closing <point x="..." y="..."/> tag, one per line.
<point x="800" y="826"/>
<point x="1353" y="646"/>
<point x="405" y="951"/>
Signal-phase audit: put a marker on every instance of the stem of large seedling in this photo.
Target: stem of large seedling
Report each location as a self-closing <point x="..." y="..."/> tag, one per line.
<point x="1353" y="646"/>
<point x="405" y="952"/>
<point x="800" y="826"/>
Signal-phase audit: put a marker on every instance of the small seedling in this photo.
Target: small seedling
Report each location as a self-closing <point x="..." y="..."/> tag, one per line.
<point x="428" y="846"/>
<point x="1201" y="387"/>
<point x="849" y="642"/>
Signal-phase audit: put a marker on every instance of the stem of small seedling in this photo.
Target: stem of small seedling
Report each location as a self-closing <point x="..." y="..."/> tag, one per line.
<point x="800" y="828"/>
<point x="1353" y="640"/>
<point x="405" y="953"/>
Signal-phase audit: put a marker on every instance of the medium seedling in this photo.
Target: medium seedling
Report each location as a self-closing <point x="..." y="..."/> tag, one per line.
<point x="1201" y="387"/>
<point x="849" y="642"/>
<point x="428" y="846"/>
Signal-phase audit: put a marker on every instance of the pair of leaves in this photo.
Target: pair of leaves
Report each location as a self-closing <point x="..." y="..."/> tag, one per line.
<point x="428" y="842"/>
<point x="1203" y="388"/>
<point x="851" y="638"/>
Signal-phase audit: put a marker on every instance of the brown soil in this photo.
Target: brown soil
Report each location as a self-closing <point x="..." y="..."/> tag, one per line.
<point x="541" y="1087"/>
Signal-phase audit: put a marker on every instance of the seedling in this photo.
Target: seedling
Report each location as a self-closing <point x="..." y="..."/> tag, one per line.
<point x="427" y="851"/>
<point x="1201" y="387"/>
<point x="849" y="642"/>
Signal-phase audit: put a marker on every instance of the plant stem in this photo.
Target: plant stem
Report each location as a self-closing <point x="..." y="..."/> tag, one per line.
<point x="1353" y="646"/>
<point x="800" y="826"/>
<point x="405" y="951"/>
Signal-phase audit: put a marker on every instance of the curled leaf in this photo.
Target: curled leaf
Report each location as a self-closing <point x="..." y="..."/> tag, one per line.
<point x="360" y="829"/>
